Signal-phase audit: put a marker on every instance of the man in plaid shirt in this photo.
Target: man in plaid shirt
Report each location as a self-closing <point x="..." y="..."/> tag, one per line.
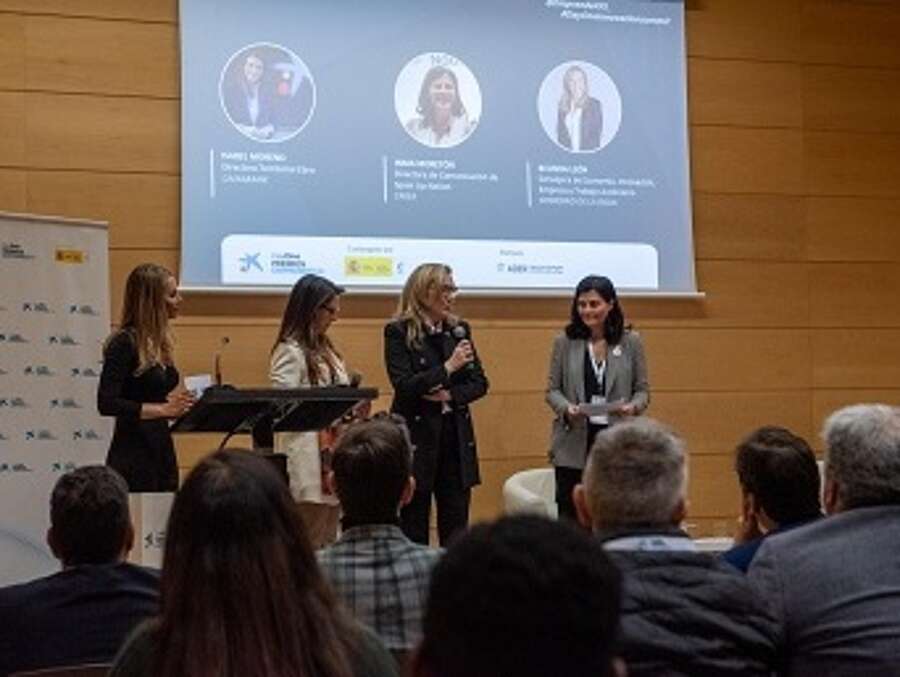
<point x="380" y="574"/>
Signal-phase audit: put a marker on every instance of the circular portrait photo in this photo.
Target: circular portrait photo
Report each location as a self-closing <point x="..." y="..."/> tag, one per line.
<point x="579" y="107"/>
<point x="267" y="92"/>
<point x="438" y="100"/>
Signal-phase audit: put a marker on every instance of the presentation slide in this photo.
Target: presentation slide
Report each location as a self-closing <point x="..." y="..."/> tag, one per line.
<point x="526" y="143"/>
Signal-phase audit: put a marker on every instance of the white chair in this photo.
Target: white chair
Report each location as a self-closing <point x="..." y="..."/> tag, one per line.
<point x="532" y="492"/>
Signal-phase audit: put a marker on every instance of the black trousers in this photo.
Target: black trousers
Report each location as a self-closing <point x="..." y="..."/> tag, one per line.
<point x="451" y="497"/>
<point x="567" y="478"/>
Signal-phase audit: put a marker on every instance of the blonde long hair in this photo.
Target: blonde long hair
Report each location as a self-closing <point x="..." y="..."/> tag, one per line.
<point x="413" y="304"/>
<point x="145" y="316"/>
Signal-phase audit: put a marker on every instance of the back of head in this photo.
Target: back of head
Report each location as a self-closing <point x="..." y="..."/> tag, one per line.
<point x="89" y="516"/>
<point x="779" y="469"/>
<point x="635" y="476"/>
<point x="241" y="591"/>
<point x="863" y="454"/>
<point x="372" y="464"/>
<point x="520" y="597"/>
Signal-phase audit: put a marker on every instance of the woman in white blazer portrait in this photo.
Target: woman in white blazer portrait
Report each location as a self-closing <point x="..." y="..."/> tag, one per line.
<point x="304" y="356"/>
<point x="596" y="361"/>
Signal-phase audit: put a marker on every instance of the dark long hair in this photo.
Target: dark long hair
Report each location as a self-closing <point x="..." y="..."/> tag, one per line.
<point x="613" y="327"/>
<point x="310" y="293"/>
<point x="241" y="590"/>
<point x="425" y="108"/>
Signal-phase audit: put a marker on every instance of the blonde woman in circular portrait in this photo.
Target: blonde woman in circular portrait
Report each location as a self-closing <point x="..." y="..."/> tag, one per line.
<point x="579" y="121"/>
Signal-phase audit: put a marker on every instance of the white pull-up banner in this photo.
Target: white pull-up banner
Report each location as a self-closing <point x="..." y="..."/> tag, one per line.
<point x="54" y="316"/>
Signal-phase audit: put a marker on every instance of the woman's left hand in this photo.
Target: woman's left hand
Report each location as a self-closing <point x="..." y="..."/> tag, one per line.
<point x="440" y="395"/>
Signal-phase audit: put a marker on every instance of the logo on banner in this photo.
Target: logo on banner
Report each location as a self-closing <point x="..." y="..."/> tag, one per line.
<point x="84" y="372"/>
<point x="64" y="403"/>
<point x="14" y="467"/>
<point x="13" y="250"/>
<point x="40" y="435"/>
<point x="63" y="466"/>
<point x="3" y="372"/>
<point x="70" y="256"/>
<point x="76" y="309"/>
<point x="86" y="434"/>
<point x="248" y="261"/>
<point x="368" y="266"/>
<point x="14" y="337"/>
<point x="13" y="403"/>
<point x="38" y="370"/>
<point x="155" y="539"/>
<point x="36" y="307"/>
<point x="62" y="340"/>
<point x="288" y="263"/>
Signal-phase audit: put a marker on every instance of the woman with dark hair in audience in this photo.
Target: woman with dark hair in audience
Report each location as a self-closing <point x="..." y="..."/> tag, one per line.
<point x="304" y="356"/>
<point x="596" y="361"/>
<point x="241" y="591"/>
<point x="139" y="380"/>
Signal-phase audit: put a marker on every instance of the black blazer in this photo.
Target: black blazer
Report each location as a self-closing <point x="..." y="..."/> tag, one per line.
<point x="591" y="126"/>
<point x="416" y="372"/>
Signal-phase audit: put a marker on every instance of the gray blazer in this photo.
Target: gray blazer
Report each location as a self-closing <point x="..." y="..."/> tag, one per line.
<point x="626" y="379"/>
<point x="834" y="587"/>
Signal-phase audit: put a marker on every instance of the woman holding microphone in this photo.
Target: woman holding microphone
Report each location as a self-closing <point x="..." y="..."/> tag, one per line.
<point x="138" y="383"/>
<point x="598" y="375"/>
<point x="435" y="372"/>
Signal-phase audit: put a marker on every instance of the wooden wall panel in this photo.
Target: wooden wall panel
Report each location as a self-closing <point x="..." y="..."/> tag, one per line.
<point x="12" y="51"/>
<point x="749" y="227"/>
<point x="713" y="488"/>
<point x="842" y="163"/>
<point x="855" y="295"/>
<point x="122" y="262"/>
<point x="73" y="55"/>
<point x="745" y="93"/>
<point x="102" y="133"/>
<point x="140" y="10"/>
<point x="142" y="209"/>
<point x="856" y="358"/>
<point x="738" y="160"/>
<point x="854" y="33"/>
<point x="858" y="99"/>
<point x="12" y="191"/>
<point x="713" y="423"/>
<point x="12" y="129"/>
<point x="853" y="229"/>
<point x="764" y="30"/>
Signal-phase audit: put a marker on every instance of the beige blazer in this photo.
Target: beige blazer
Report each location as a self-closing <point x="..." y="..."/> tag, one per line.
<point x="626" y="379"/>
<point x="287" y="369"/>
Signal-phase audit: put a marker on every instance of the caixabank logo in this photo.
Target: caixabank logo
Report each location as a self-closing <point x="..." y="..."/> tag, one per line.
<point x="64" y="403"/>
<point x="14" y="250"/>
<point x="37" y="307"/>
<point x="82" y="309"/>
<point x="84" y="372"/>
<point x="40" y="435"/>
<point x="86" y="434"/>
<point x="12" y="337"/>
<point x="12" y="402"/>
<point x="14" y="468"/>
<point x="62" y="340"/>
<point x="38" y="370"/>
<point x="63" y="466"/>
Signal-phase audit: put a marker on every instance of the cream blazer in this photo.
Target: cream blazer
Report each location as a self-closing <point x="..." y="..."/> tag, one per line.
<point x="287" y="369"/>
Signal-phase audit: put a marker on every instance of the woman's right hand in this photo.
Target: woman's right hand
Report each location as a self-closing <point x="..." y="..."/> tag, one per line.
<point x="462" y="355"/>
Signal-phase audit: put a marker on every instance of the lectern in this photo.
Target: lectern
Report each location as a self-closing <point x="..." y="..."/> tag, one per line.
<point x="262" y="412"/>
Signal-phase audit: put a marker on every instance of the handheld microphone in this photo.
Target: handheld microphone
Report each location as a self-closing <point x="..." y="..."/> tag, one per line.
<point x="217" y="359"/>
<point x="460" y="334"/>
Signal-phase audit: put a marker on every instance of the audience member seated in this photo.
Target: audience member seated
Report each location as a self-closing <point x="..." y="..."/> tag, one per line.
<point x="381" y="575"/>
<point x="522" y="597"/>
<point x="241" y="591"/>
<point x="780" y="489"/>
<point x="83" y="613"/>
<point x="834" y="585"/>
<point x="684" y="612"/>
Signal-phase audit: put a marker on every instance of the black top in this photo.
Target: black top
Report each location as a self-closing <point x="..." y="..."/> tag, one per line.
<point x="80" y="615"/>
<point x="141" y="450"/>
<point x="592" y="387"/>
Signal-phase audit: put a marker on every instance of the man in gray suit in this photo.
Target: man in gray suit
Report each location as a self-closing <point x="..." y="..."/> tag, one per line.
<point x="834" y="585"/>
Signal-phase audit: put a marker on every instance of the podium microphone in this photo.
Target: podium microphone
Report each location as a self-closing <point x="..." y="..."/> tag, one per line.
<point x="217" y="359"/>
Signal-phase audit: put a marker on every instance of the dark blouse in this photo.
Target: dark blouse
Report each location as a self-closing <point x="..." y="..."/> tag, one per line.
<point x="141" y="450"/>
<point x="592" y="387"/>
